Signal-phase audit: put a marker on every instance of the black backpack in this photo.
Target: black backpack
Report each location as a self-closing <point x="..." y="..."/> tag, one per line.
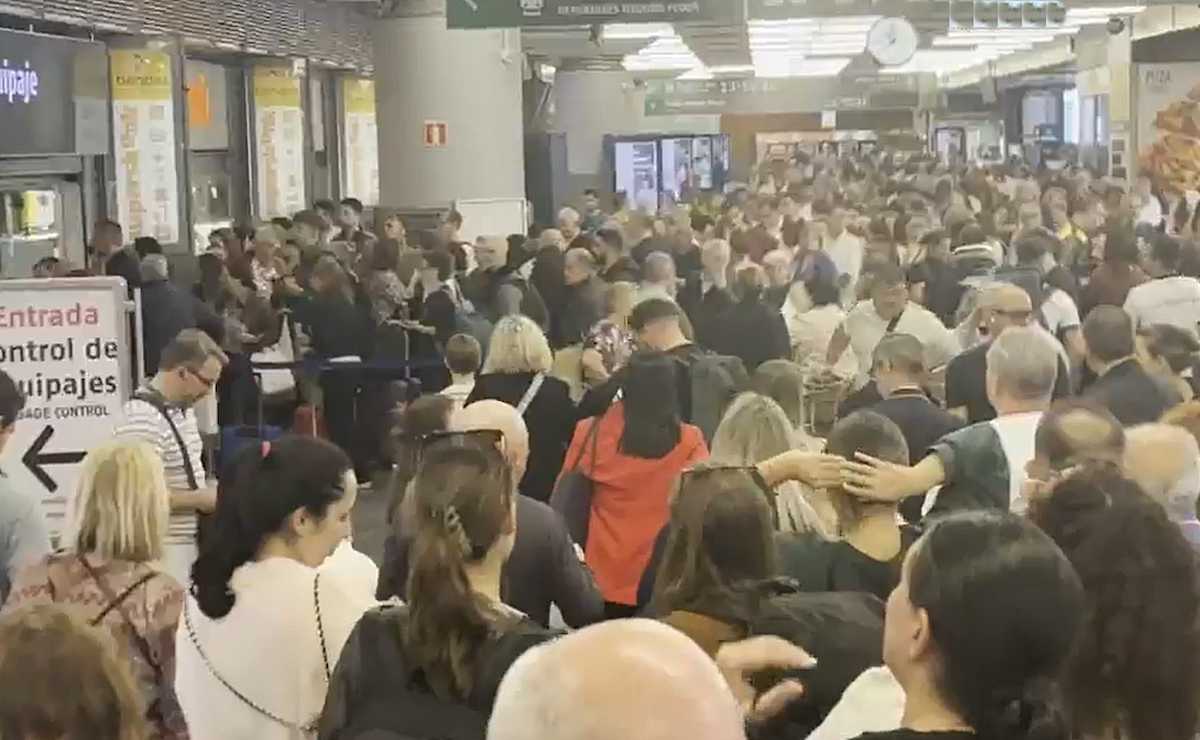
<point x="843" y="630"/>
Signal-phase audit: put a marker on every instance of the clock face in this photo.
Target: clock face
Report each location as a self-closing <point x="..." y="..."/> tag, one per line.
<point x="892" y="41"/>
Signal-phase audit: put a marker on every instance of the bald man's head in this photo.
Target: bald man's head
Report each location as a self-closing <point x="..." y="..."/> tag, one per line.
<point x="632" y="679"/>
<point x="498" y="416"/>
<point x="1072" y="433"/>
<point x="1005" y="305"/>
<point x="491" y="252"/>
<point x="1165" y="461"/>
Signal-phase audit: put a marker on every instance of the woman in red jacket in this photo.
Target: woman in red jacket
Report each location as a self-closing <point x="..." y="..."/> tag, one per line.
<point x="640" y="448"/>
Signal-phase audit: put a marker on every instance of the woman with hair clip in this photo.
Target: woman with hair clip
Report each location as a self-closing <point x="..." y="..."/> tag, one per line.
<point x="977" y="632"/>
<point x="432" y="668"/>
<point x="107" y="571"/>
<point x="1135" y="672"/>
<point x="632" y="453"/>
<point x="269" y="609"/>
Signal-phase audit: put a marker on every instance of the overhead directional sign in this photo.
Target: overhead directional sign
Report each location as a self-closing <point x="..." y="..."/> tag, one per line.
<point x="520" y="13"/>
<point x="767" y="95"/>
<point x="65" y="343"/>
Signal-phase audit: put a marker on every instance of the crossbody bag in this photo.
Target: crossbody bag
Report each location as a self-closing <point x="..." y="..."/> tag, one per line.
<point x="312" y="725"/>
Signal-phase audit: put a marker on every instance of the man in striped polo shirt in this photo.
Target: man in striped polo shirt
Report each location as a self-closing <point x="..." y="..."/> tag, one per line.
<point x="160" y="414"/>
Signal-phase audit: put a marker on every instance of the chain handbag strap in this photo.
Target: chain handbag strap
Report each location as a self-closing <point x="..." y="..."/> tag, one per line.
<point x="309" y="728"/>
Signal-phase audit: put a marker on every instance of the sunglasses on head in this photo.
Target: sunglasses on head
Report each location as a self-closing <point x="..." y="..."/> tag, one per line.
<point x="475" y="439"/>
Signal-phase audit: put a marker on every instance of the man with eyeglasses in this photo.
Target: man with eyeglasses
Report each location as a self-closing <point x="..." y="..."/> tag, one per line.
<point x="1001" y="307"/>
<point x="161" y="415"/>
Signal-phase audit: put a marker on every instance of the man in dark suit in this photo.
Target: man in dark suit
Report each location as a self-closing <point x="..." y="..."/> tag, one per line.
<point x="1001" y="307"/>
<point x="898" y="367"/>
<point x="1124" y="387"/>
<point x="705" y="297"/>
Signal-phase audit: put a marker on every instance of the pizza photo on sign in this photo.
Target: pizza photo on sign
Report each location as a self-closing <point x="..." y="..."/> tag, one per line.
<point x="1172" y="160"/>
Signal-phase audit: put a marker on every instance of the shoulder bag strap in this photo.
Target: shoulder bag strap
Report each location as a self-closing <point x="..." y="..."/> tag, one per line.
<point x="321" y="625"/>
<point x="157" y="402"/>
<point x="590" y="441"/>
<point x="310" y="728"/>
<point x="891" y="327"/>
<point x="116" y="602"/>
<point x="535" y="385"/>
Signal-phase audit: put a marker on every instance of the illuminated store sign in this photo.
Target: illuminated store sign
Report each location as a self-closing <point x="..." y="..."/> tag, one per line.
<point x="19" y="84"/>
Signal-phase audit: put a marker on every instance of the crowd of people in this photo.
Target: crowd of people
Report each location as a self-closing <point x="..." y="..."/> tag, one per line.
<point x="878" y="448"/>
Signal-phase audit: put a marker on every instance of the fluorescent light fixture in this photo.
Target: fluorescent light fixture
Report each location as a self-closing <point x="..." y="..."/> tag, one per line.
<point x="635" y="31"/>
<point x="664" y="53"/>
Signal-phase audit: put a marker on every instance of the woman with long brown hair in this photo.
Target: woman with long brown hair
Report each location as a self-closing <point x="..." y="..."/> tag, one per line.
<point x="432" y="668"/>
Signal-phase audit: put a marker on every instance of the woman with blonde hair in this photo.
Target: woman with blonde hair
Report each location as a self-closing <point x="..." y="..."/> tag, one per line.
<point x="755" y="428"/>
<point x="517" y="372"/>
<point x="61" y="678"/>
<point x="108" y="571"/>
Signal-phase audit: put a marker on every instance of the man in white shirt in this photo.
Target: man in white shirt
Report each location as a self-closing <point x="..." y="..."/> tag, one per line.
<point x="846" y="251"/>
<point x="890" y="311"/>
<point x="982" y="466"/>
<point x="160" y="414"/>
<point x="1170" y="298"/>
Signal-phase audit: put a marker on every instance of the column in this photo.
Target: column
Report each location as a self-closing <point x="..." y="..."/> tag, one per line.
<point x="470" y="81"/>
<point x="592" y="98"/>
<point x="596" y="97"/>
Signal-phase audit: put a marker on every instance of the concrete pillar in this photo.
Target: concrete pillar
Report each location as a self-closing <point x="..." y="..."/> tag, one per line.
<point x="468" y="80"/>
<point x="596" y="97"/>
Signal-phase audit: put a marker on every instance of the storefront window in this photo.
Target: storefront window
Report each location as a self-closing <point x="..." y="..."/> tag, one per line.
<point x="29" y="229"/>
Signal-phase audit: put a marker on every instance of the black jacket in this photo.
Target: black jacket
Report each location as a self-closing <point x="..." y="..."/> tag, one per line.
<point x="705" y="310"/>
<point x="966" y="384"/>
<point x="167" y="310"/>
<point x="376" y="691"/>
<point x="623" y="270"/>
<point x="338" y="327"/>
<point x="543" y="569"/>
<point x="481" y="287"/>
<point x="650" y="244"/>
<point x="583" y="306"/>
<point x="752" y="331"/>
<point x="1133" y="395"/>
<point x="550" y="418"/>
<point x="547" y="277"/>
<point x="124" y="263"/>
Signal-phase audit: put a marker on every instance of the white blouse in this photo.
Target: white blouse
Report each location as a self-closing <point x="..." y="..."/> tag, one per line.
<point x="269" y="647"/>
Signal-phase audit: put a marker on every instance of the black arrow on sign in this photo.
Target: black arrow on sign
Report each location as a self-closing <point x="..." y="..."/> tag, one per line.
<point x="34" y="458"/>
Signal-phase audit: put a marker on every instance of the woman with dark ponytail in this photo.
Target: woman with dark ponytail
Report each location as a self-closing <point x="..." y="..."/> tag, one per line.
<point x="432" y="668"/>
<point x="269" y="608"/>
<point x="984" y="618"/>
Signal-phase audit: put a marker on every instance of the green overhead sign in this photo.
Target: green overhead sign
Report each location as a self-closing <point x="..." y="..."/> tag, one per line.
<point x="520" y="13"/>
<point x="769" y="95"/>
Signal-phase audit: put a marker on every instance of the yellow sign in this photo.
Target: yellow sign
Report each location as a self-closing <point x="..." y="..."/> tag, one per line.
<point x="140" y="75"/>
<point x="359" y="95"/>
<point x="276" y="87"/>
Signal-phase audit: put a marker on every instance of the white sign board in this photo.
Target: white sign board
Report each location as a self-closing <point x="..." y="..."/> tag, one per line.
<point x="1168" y="138"/>
<point x="65" y="343"/>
